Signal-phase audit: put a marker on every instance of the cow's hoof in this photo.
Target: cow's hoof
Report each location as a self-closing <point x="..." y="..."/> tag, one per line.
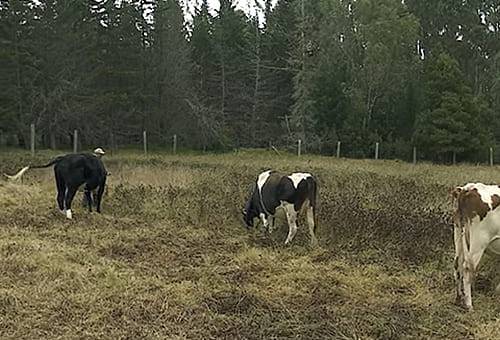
<point x="69" y="215"/>
<point x="459" y="302"/>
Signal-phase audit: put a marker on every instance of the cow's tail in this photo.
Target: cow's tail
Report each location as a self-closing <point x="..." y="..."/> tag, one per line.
<point x="26" y="168"/>
<point x="52" y="162"/>
<point x="18" y="175"/>
<point x="313" y="198"/>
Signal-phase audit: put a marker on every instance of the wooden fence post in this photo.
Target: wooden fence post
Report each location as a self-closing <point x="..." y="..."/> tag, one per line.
<point x="174" y="148"/>
<point x="32" y="139"/>
<point x="113" y="145"/>
<point x="376" y="150"/>
<point x="75" y="141"/>
<point x="338" y="149"/>
<point x="491" y="156"/>
<point x="145" y="142"/>
<point x="299" y="148"/>
<point x="414" y="155"/>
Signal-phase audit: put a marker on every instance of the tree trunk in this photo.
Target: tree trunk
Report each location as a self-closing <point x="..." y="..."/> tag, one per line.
<point x="52" y="137"/>
<point x="253" y="125"/>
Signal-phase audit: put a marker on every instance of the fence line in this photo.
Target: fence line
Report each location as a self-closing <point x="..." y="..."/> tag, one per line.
<point x="76" y="140"/>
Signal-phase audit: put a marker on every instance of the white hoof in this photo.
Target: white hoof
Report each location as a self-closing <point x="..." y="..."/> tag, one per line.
<point x="69" y="215"/>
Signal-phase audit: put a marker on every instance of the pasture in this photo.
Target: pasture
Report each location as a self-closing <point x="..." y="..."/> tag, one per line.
<point x="170" y="257"/>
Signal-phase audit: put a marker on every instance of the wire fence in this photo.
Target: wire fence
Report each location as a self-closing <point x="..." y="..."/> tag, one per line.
<point x="170" y="143"/>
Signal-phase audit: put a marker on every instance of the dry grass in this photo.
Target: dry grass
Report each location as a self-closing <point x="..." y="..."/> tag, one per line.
<point x="169" y="257"/>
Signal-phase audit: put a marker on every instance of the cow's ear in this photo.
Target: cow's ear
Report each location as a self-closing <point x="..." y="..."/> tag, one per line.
<point x="455" y="192"/>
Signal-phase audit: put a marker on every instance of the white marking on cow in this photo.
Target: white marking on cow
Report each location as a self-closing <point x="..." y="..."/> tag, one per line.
<point x="69" y="214"/>
<point x="262" y="179"/>
<point x="297" y="177"/>
<point x="485" y="191"/>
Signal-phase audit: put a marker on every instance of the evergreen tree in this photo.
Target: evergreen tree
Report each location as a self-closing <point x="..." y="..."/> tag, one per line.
<point x="204" y="102"/>
<point x="452" y="124"/>
<point x="277" y="72"/>
<point x="303" y="61"/>
<point x="171" y="72"/>
<point x="232" y="46"/>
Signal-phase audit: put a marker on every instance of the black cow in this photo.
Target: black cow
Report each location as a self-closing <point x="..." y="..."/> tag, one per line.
<point x="292" y="193"/>
<point x="71" y="171"/>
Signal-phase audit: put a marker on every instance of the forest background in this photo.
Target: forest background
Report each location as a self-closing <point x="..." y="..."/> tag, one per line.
<point x="406" y="74"/>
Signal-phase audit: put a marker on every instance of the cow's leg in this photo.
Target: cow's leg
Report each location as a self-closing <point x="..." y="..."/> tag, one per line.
<point x="311" y="225"/>
<point x="98" y="197"/>
<point x="265" y="220"/>
<point x="68" y="198"/>
<point x="478" y="243"/>
<point x="88" y="198"/>
<point x="94" y="195"/>
<point x="291" y="216"/>
<point x="61" y="191"/>
<point x="271" y="221"/>
<point x="459" y="265"/>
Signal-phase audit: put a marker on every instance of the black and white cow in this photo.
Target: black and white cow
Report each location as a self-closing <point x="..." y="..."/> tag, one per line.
<point x="71" y="171"/>
<point x="293" y="193"/>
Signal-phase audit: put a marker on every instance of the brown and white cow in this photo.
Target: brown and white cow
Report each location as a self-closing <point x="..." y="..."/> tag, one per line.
<point x="292" y="193"/>
<point x="477" y="229"/>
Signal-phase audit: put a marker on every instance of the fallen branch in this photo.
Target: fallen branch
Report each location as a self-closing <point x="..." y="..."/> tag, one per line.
<point x="275" y="150"/>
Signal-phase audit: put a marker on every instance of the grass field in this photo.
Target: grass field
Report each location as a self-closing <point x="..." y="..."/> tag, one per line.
<point x="170" y="258"/>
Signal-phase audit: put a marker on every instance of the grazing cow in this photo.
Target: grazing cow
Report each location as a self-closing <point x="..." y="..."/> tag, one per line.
<point x="476" y="230"/>
<point x="293" y="193"/>
<point x="71" y="171"/>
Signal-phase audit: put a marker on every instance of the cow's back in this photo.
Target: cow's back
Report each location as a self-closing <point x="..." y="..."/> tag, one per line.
<point x="478" y="206"/>
<point x="79" y="168"/>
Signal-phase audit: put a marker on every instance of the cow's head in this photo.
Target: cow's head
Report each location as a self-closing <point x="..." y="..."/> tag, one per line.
<point x="249" y="214"/>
